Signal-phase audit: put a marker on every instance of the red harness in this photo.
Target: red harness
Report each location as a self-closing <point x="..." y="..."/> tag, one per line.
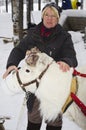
<point x="79" y="103"/>
<point x="75" y="72"/>
<point x="75" y="98"/>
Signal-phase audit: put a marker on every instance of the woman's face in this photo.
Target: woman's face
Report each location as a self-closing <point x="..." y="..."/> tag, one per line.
<point x="49" y="19"/>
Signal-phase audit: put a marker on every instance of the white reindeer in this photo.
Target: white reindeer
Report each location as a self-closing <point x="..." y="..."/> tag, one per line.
<point x="41" y="75"/>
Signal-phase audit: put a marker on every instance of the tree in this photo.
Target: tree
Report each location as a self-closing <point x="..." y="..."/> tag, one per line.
<point x="20" y="19"/>
<point x="39" y="4"/>
<point x="17" y="8"/>
<point x="82" y="4"/>
<point x="6" y="5"/>
<point x="29" y="9"/>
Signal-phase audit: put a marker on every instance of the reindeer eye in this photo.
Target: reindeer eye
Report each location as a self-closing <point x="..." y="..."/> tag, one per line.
<point x="19" y="68"/>
<point x="27" y="70"/>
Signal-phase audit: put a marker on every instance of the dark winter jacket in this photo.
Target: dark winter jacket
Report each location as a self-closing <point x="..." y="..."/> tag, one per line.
<point x="57" y="45"/>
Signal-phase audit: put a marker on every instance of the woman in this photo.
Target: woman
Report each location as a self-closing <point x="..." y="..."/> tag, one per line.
<point x="50" y="38"/>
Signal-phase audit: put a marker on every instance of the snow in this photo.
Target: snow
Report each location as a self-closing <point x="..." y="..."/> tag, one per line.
<point x="75" y="12"/>
<point x="14" y="105"/>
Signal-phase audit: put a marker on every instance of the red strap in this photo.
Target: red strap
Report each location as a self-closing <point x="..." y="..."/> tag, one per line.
<point x="75" y="72"/>
<point x="79" y="103"/>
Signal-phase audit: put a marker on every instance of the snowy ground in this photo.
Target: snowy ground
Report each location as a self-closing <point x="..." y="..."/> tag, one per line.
<point x="13" y="105"/>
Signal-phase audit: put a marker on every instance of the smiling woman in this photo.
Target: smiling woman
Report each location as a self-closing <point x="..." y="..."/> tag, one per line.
<point x="50" y="16"/>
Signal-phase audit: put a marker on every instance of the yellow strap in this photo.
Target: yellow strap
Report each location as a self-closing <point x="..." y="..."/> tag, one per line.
<point x="73" y="89"/>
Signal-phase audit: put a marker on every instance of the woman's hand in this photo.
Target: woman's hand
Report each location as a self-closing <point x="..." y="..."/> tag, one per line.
<point x="10" y="68"/>
<point x="63" y="66"/>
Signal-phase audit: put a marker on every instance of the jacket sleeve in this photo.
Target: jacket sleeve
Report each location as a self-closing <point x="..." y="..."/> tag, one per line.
<point x="68" y="53"/>
<point x="18" y="53"/>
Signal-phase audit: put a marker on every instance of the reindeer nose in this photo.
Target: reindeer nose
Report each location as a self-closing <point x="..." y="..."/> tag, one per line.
<point x="27" y="71"/>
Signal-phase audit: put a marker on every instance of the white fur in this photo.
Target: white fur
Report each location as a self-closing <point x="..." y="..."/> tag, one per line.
<point x="54" y="85"/>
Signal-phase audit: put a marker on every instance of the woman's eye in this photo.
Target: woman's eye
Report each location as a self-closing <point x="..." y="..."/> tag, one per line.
<point x="27" y="70"/>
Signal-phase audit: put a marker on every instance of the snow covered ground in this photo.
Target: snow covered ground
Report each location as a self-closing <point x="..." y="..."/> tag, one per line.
<point x="13" y="105"/>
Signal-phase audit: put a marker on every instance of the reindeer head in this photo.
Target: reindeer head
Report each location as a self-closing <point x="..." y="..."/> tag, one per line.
<point x="35" y="63"/>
